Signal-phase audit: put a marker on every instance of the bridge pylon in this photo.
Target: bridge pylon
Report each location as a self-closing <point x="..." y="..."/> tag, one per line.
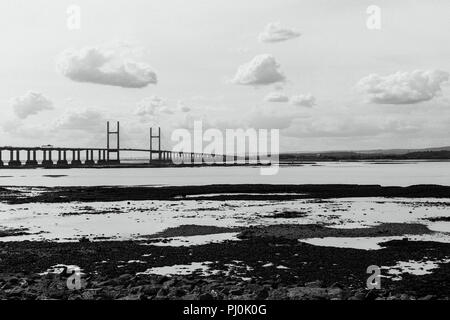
<point x="110" y="150"/>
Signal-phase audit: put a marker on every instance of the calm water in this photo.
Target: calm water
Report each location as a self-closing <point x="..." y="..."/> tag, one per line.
<point x="400" y="174"/>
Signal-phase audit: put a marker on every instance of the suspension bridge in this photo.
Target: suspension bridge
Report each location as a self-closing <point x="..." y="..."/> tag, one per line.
<point x="49" y="156"/>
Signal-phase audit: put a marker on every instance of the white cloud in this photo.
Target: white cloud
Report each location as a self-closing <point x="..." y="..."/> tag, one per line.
<point x="276" y="97"/>
<point x="108" y="66"/>
<point x="29" y="104"/>
<point x="152" y="106"/>
<point x="261" y="70"/>
<point x="304" y="100"/>
<point x="403" y="87"/>
<point x="86" y="119"/>
<point x="274" y="32"/>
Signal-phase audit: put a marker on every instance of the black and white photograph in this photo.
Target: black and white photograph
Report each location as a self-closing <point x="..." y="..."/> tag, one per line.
<point x="223" y="155"/>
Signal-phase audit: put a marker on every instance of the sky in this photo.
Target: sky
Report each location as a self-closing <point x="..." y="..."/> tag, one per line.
<point x="312" y="69"/>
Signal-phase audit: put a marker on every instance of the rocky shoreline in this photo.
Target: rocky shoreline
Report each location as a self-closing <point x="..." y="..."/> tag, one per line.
<point x="256" y="267"/>
<point x="252" y="192"/>
<point x="264" y="262"/>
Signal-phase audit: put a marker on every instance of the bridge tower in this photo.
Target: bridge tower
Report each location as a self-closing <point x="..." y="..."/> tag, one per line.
<point x="108" y="147"/>
<point x="158" y="138"/>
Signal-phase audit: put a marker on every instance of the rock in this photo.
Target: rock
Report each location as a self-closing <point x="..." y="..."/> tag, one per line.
<point x="15" y="292"/>
<point x="190" y="296"/>
<point x="314" y="284"/>
<point x="278" y="294"/>
<point x="150" y="290"/>
<point x="163" y="279"/>
<point x="236" y="291"/>
<point x="262" y="293"/>
<point x="206" y="296"/>
<point x="427" y="297"/>
<point x="109" y="293"/>
<point x="307" y="293"/>
<point x="335" y="293"/>
<point x="180" y="292"/>
<point x="131" y="297"/>
<point x="169" y="283"/>
<point x="162" y="292"/>
<point x="87" y="295"/>
<point x="359" y="295"/>
<point x="337" y="285"/>
<point x="124" y="278"/>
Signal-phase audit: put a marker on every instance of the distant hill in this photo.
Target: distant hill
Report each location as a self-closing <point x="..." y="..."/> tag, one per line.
<point x="441" y="153"/>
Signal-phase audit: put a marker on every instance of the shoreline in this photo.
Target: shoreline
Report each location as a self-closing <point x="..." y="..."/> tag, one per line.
<point x="217" y="192"/>
<point x="264" y="262"/>
<point x="278" y="268"/>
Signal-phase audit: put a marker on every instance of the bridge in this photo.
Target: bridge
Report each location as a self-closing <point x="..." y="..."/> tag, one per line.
<point x="101" y="157"/>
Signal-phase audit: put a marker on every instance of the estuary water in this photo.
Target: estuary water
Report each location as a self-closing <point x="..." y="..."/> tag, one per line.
<point x="382" y="173"/>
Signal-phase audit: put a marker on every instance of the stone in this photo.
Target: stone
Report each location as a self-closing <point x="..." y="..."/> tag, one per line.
<point x="262" y="293"/>
<point x="314" y="284"/>
<point x="206" y="296"/>
<point x="278" y="294"/>
<point x="307" y="293"/>
<point x="335" y="293"/>
<point x="427" y="297"/>
<point x="150" y="290"/>
<point x="236" y="291"/>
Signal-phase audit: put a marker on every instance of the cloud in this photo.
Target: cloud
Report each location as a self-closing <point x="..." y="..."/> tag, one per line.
<point x="182" y="107"/>
<point x="303" y="100"/>
<point x="349" y="126"/>
<point x="87" y="119"/>
<point x="152" y="106"/>
<point x="276" y="97"/>
<point x="274" y="32"/>
<point x="403" y="87"/>
<point x="261" y="70"/>
<point x="29" y="104"/>
<point x="105" y="66"/>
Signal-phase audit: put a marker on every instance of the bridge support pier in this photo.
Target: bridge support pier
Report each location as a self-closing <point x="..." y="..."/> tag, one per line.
<point x="1" y="161"/>
<point x="101" y="157"/>
<point x="31" y="158"/>
<point x="12" y="162"/>
<point x="47" y="162"/>
<point x="89" y="158"/>
<point x="62" y="161"/>
<point x="76" y="162"/>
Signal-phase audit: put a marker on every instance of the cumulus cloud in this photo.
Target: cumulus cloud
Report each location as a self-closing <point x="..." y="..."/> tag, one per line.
<point x="83" y="120"/>
<point x="261" y="70"/>
<point x="107" y="66"/>
<point x="276" y="97"/>
<point x="152" y="106"/>
<point x="303" y="100"/>
<point x="274" y="32"/>
<point x="29" y="104"/>
<point x="403" y="87"/>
